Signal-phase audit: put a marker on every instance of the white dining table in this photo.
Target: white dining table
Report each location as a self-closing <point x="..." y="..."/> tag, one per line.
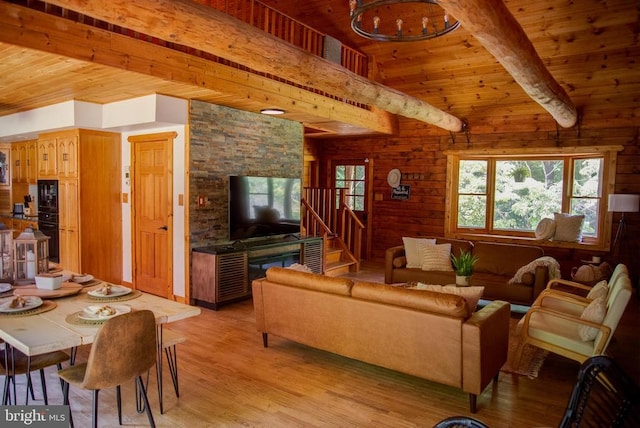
<point x="49" y="331"/>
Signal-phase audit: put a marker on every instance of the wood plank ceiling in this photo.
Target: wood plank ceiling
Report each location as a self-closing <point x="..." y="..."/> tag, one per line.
<point x="590" y="47"/>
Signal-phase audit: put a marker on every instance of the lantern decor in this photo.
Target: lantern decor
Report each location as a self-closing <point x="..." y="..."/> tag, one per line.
<point x="6" y="252"/>
<point x="30" y="255"/>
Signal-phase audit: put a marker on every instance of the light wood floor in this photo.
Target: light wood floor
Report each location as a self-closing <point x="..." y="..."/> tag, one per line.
<point x="228" y="379"/>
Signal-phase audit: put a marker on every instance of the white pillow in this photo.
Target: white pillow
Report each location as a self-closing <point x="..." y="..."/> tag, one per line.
<point x="568" y="227"/>
<point x="545" y="229"/>
<point x="596" y="311"/>
<point x="436" y="257"/>
<point x="601" y="289"/>
<point x="300" y="268"/>
<point x="471" y="294"/>
<point x="412" y="252"/>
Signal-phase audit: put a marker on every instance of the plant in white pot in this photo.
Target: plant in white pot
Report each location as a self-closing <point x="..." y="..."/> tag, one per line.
<point x="463" y="266"/>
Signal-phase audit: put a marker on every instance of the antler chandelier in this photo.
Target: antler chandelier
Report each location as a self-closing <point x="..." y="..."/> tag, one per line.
<point x="382" y="20"/>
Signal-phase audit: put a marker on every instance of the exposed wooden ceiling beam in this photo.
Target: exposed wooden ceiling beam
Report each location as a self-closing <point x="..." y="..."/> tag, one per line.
<point x="497" y="30"/>
<point x="201" y="27"/>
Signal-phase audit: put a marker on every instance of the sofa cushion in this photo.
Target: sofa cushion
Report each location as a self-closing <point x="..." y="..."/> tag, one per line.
<point x="422" y="300"/>
<point x="310" y="281"/>
<point x="436" y="257"/>
<point x="503" y="259"/>
<point x="412" y="250"/>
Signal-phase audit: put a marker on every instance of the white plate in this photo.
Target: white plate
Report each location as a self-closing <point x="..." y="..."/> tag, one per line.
<point x="32" y="302"/>
<point x="89" y="312"/>
<point x="4" y="287"/>
<point x="81" y="279"/>
<point x="116" y="291"/>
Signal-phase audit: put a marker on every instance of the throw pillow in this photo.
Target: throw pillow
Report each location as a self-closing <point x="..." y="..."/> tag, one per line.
<point x="471" y="294"/>
<point x="568" y="227"/>
<point x="412" y="252"/>
<point x="545" y="229"/>
<point x="601" y="289"/>
<point x="436" y="257"/>
<point x="300" y="268"/>
<point x="595" y="312"/>
<point x="399" y="262"/>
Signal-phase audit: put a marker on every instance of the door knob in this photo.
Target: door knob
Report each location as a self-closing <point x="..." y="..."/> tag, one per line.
<point x="164" y="227"/>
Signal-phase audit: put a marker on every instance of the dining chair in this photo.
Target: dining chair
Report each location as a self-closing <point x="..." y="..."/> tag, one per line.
<point x="168" y="343"/>
<point x="125" y="347"/>
<point x="14" y="362"/>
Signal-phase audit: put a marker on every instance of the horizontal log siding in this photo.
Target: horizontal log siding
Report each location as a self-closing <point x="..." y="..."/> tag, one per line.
<point x="420" y="158"/>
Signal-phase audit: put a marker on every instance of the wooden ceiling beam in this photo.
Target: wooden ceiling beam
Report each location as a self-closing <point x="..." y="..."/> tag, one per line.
<point x="496" y="28"/>
<point x="201" y="27"/>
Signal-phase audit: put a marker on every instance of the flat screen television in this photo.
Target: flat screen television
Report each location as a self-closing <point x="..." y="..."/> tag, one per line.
<point x="263" y="206"/>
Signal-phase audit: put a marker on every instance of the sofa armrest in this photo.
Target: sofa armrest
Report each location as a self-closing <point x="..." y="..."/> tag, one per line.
<point x="485" y="343"/>
<point x="389" y="255"/>
<point x="540" y="282"/>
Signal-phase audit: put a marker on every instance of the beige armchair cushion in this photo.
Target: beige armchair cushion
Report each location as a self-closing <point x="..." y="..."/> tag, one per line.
<point x="595" y="312"/>
<point x="601" y="289"/>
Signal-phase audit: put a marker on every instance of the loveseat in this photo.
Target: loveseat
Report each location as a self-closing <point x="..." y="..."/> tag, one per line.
<point x="496" y="266"/>
<point x="428" y="334"/>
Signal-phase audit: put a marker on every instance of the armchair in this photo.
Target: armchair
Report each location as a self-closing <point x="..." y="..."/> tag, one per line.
<point x="557" y="329"/>
<point x="564" y="300"/>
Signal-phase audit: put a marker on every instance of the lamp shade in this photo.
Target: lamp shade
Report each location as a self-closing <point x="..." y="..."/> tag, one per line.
<point x="624" y="203"/>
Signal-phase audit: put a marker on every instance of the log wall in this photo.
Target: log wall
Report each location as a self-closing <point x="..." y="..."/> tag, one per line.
<point x="421" y="159"/>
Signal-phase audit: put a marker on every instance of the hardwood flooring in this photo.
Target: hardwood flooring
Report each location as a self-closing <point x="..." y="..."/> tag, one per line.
<point x="228" y="379"/>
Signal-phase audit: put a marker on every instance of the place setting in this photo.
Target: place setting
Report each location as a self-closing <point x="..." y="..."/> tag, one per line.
<point x="20" y="306"/>
<point x="97" y="314"/>
<point x="107" y="292"/>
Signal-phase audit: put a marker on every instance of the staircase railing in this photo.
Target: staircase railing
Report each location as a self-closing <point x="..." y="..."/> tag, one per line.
<point x="328" y="206"/>
<point x="313" y="225"/>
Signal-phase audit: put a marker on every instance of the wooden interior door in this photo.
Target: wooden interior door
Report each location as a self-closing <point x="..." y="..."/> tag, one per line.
<point x="152" y="190"/>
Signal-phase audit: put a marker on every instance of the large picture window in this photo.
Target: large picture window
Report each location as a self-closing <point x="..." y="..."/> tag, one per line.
<point x="507" y="195"/>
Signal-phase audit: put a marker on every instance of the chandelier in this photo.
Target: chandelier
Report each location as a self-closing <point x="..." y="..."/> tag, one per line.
<point x="381" y="20"/>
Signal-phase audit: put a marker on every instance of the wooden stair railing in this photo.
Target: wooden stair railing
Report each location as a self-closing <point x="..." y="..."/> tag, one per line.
<point x="342" y="225"/>
<point x="313" y="225"/>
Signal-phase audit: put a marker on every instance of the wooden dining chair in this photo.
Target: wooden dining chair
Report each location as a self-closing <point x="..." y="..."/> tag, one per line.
<point x="124" y="349"/>
<point x="14" y="362"/>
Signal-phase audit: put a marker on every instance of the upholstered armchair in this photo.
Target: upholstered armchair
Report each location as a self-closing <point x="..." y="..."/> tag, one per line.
<point x="573" y="326"/>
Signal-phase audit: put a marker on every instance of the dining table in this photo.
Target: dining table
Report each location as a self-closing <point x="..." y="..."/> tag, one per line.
<point x="64" y="320"/>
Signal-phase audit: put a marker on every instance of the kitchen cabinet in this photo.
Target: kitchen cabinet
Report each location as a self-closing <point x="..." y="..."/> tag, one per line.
<point x="68" y="216"/>
<point x="47" y="157"/>
<point x="87" y="165"/>
<point x="23" y="162"/>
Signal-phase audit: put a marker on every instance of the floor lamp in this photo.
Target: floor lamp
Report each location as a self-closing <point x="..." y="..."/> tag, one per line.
<point x="620" y="203"/>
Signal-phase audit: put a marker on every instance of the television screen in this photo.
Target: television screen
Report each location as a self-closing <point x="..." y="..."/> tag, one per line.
<point x="263" y="206"/>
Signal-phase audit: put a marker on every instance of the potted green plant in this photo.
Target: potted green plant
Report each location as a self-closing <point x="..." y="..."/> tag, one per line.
<point x="463" y="266"/>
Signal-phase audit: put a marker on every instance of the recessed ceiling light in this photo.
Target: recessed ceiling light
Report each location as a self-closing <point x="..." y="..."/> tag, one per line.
<point x="272" y="111"/>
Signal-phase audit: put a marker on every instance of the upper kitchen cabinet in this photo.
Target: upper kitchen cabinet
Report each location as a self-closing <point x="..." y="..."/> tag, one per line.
<point x="24" y="162"/>
<point x="47" y="159"/>
<point x="58" y="154"/>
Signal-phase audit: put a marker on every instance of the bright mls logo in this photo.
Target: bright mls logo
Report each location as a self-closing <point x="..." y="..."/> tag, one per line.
<point x="34" y="416"/>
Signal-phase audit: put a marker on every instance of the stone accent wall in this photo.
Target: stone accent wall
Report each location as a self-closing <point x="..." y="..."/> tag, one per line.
<point x="225" y="142"/>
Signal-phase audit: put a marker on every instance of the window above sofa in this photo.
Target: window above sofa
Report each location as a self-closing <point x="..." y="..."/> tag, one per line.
<point x="512" y="195"/>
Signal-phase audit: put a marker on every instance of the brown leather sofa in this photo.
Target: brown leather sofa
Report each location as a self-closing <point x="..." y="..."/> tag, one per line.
<point x="497" y="264"/>
<point x="418" y="332"/>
